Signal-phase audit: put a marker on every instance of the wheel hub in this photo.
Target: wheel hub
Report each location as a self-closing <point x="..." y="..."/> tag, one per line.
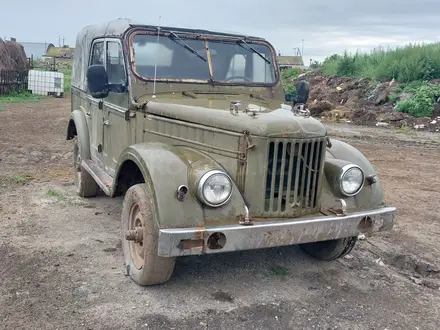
<point x="136" y="235"/>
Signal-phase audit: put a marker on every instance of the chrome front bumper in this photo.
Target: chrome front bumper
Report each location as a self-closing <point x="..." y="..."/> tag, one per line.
<point x="175" y="242"/>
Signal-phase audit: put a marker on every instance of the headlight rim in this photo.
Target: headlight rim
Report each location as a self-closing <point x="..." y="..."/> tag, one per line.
<point x="202" y="182"/>
<point x="344" y="170"/>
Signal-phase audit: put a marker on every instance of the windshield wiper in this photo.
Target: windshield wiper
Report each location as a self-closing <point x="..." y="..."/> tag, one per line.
<point x="185" y="45"/>
<point x="253" y="49"/>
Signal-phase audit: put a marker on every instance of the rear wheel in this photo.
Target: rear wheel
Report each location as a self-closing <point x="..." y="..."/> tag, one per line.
<point x="84" y="182"/>
<point x="141" y="235"/>
<point x="330" y="250"/>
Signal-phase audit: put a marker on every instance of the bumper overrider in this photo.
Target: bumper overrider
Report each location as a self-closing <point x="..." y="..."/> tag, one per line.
<point x="174" y="242"/>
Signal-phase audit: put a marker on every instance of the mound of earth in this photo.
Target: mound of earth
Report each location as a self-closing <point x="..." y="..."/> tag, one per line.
<point x="358" y="100"/>
<point x="12" y="56"/>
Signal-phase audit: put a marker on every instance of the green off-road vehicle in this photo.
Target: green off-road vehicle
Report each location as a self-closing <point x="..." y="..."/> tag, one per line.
<point x="194" y="129"/>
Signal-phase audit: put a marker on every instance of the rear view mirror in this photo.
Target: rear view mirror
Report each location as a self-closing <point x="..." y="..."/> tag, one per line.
<point x="302" y="91"/>
<point x="97" y="81"/>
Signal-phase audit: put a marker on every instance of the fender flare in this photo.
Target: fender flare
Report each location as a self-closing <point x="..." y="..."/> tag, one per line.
<point x="370" y="196"/>
<point x="78" y="123"/>
<point x="165" y="168"/>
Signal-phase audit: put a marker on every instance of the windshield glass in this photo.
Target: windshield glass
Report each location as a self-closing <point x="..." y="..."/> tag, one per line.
<point x="188" y="59"/>
<point x="173" y="60"/>
<point x="237" y="62"/>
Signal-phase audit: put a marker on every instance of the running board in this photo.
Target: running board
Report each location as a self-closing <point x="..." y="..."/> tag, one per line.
<point x="103" y="180"/>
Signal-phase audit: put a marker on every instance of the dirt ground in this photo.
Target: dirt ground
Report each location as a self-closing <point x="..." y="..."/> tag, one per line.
<point x="62" y="263"/>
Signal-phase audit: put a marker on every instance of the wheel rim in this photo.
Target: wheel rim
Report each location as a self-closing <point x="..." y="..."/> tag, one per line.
<point x="77" y="164"/>
<point x="136" y="247"/>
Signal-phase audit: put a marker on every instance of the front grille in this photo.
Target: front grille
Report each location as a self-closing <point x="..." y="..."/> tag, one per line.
<point x="293" y="176"/>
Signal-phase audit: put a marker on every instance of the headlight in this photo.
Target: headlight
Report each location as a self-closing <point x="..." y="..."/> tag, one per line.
<point x="215" y="188"/>
<point x="351" y="180"/>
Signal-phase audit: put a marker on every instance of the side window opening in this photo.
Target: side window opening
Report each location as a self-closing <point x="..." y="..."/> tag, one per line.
<point x="115" y="67"/>
<point x="97" y="53"/>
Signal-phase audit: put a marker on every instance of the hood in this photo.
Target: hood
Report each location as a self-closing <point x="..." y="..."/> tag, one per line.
<point x="271" y="119"/>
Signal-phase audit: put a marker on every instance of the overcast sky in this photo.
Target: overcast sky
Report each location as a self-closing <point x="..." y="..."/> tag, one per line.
<point x="327" y="27"/>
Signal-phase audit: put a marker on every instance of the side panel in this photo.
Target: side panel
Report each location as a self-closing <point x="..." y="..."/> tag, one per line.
<point x="96" y="129"/>
<point x="116" y="129"/>
<point x="117" y="135"/>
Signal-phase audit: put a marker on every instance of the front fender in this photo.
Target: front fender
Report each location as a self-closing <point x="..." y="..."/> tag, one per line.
<point x="165" y="168"/>
<point x="78" y="126"/>
<point x="370" y="196"/>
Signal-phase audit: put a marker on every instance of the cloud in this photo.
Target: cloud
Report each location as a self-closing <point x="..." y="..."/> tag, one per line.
<point x="327" y="27"/>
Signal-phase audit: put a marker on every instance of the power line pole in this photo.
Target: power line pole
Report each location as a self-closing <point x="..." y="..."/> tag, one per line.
<point x="302" y="48"/>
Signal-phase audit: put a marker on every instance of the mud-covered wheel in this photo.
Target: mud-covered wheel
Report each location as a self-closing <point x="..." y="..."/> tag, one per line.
<point x="330" y="250"/>
<point x="84" y="182"/>
<point x="141" y="233"/>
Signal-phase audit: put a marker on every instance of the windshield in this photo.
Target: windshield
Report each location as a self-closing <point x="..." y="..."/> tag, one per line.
<point x="188" y="59"/>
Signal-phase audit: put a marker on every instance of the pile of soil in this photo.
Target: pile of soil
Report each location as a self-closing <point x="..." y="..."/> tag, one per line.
<point x="12" y="56"/>
<point x="360" y="101"/>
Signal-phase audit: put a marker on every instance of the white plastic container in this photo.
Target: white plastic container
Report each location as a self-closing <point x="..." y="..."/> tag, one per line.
<point x="46" y="82"/>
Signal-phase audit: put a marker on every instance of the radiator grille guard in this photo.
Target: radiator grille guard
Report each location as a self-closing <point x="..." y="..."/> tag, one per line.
<point x="293" y="176"/>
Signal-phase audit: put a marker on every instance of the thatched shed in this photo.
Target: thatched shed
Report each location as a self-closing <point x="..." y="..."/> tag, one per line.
<point x="286" y="62"/>
<point x="60" y="52"/>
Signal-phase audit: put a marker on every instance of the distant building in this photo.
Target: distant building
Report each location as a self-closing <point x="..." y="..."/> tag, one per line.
<point x="37" y="50"/>
<point x="287" y="62"/>
<point x="60" y="52"/>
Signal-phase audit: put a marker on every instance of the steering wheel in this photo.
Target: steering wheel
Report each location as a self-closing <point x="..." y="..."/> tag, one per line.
<point x="239" y="77"/>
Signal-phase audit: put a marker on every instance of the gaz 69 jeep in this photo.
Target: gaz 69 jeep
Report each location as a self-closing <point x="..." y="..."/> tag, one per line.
<point x="194" y="129"/>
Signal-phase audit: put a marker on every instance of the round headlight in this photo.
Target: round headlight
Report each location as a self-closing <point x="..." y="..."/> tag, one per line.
<point x="215" y="188"/>
<point x="351" y="180"/>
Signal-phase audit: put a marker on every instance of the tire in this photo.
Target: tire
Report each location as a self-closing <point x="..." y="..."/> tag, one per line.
<point x="330" y="250"/>
<point x="142" y="262"/>
<point x="84" y="182"/>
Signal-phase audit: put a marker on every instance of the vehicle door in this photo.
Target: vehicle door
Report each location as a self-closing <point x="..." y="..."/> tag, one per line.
<point x="94" y="107"/>
<point x="116" y="126"/>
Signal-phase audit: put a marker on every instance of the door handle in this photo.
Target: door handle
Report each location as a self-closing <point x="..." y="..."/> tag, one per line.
<point x="88" y="114"/>
<point x="105" y="123"/>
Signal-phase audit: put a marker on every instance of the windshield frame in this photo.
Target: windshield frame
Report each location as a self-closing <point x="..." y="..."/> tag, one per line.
<point x="129" y="37"/>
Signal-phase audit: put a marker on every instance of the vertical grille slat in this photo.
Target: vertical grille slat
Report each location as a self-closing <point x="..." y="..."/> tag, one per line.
<point x="293" y="177"/>
<point x="290" y="173"/>
<point x="281" y="188"/>
<point x="273" y="176"/>
<point x="315" y="171"/>
<point x="309" y="171"/>
<point x="297" y="168"/>
<point x="303" y="168"/>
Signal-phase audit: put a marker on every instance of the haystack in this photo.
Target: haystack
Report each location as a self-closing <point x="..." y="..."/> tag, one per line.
<point x="12" y="56"/>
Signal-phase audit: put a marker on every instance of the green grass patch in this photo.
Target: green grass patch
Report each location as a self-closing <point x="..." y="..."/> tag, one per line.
<point x="393" y="97"/>
<point x="287" y="76"/>
<point x="53" y="193"/>
<point x="19" y="97"/>
<point x="405" y="64"/>
<point x="422" y="101"/>
<point x="67" y="71"/>
<point x="279" y="271"/>
<point x="65" y="200"/>
<point x="21" y="179"/>
<point x="17" y="179"/>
